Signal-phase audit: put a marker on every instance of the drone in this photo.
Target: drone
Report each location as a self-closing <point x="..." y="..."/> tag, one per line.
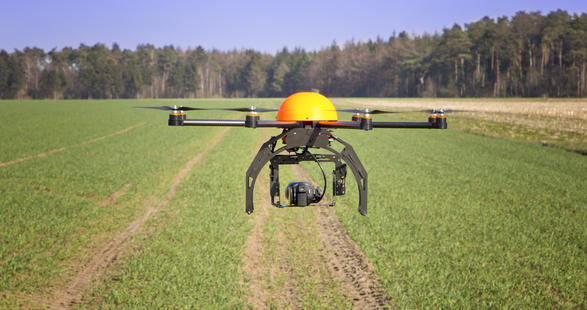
<point x="306" y="120"/>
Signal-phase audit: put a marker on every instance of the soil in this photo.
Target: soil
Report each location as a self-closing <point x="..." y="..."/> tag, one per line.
<point x="346" y="261"/>
<point x="110" y="200"/>
<point x="18" y="160"/>
<point x="254" y="270"/>
<point x="108" y="254"/>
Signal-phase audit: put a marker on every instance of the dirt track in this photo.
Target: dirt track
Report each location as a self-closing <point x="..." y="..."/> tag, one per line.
<point x="104" y="256"/>
<point x="18" y="160"/>
<point x="347" y="262"/>
<point x="337" y="262"/>
<point x="254" y="254"/>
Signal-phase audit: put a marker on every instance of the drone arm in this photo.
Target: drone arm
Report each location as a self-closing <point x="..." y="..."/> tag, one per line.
<point x="367" y="124"/>
<point x="403" y="125"/>
<point x="213" y="122"/>
<point x="340" y="124"/>
<point x="235" y="123"/>
<point x="277" y="124"/>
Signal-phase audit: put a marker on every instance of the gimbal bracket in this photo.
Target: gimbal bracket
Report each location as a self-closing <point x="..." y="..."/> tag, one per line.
<point x="312" y="137"/>
<point x="292" y="159"/>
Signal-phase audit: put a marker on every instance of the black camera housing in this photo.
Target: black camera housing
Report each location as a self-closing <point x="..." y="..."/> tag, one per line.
<point x="302" y="194"/>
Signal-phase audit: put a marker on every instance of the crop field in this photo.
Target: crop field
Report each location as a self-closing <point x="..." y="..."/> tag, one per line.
<point x="559" y="123"/>
<point x="105" y="206"/>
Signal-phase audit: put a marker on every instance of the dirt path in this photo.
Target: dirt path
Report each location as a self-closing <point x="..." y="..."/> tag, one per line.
<point x="300" y="258"/>
<point x="110" y="200"/>
<point x="260" y="274"/>
<point x="18" y="160"/>
<point x="347" y="262"/>
<point x="254" y="270"/>
<point x="104" y="256"/>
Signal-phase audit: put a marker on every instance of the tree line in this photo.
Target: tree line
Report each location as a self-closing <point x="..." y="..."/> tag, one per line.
<point x="527" y="55"/>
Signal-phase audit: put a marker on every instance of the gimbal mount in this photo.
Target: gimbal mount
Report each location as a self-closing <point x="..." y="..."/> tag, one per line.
<point x="307" y="137"/>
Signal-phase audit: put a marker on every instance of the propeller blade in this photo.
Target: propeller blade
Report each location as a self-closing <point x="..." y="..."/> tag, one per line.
<point x="365" y="111"/>
<point x="382" y="112"/>
<point x="249" y="109"/>
<point x="165" y="108"/>
<point x="444" y="110"/>
<point x="191" y="109"/>
<point x="376" y="111"/>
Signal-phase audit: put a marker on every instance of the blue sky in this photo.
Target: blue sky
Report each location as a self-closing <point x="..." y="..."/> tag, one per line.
<point x="263" y="25"/>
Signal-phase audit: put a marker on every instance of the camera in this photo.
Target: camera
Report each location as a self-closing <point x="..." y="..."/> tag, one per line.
<point x="302" y="194"/>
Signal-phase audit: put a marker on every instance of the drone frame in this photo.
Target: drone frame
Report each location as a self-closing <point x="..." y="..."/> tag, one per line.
<point x="294" y="139"/>
<point x="304" y="134"/>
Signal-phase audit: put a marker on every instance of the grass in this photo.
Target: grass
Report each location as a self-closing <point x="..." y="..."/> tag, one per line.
<point x="456" y="220"/>
<point x="559" y="123"/>
<point x="297" y="275"/>
<point x="567" y="134"/>
<point x="464" y="221"/>
<point x="564" y="133"/>
<point x="190" y="254"/>
<point x="51" y="210"/>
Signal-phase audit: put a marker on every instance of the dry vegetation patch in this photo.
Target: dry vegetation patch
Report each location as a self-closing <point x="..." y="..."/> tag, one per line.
<point x="553" y="122"/>
<point x="570" y="108"/>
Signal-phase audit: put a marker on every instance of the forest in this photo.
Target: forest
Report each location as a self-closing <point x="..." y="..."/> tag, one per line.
<point x="527" y="55"/>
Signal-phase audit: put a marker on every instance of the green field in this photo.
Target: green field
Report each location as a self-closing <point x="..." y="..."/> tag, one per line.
<point x="457" y="218"/>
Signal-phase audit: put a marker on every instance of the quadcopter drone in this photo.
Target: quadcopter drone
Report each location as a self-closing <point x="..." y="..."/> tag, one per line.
<point x="306" y="120"/>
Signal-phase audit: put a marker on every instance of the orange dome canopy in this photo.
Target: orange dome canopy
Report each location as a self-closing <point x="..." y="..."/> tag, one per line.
<point x="306" y="106"/>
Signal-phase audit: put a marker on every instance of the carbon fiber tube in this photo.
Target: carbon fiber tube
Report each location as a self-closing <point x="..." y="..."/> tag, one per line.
<point x="402" y="125"/>
<point x="340" y="124"/>
<point x="279" y="124"/>
<point x="238" y="123"/>
<point x="213" y="122"/>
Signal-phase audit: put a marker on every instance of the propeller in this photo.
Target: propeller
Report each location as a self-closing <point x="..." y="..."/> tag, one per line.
<point x="249" y="109"/>
<point x="376" y="111"/>
<point x="441" y="109"/>
<point x="175" y="108"/>
<point x="367" y="111"/>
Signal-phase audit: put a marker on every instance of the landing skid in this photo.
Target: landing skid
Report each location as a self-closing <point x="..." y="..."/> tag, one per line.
<point x="294" y="139"/>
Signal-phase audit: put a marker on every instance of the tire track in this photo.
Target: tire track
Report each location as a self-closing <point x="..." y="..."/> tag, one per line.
<point x="108" y="254"/>
<point x="347" y="263"/>
<point x="343" y="261"/>
<point x="18" y="160"/>
<point x="254" y="257"/>
<point x="255" y="269"/>
<point x="115" y="196"/>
